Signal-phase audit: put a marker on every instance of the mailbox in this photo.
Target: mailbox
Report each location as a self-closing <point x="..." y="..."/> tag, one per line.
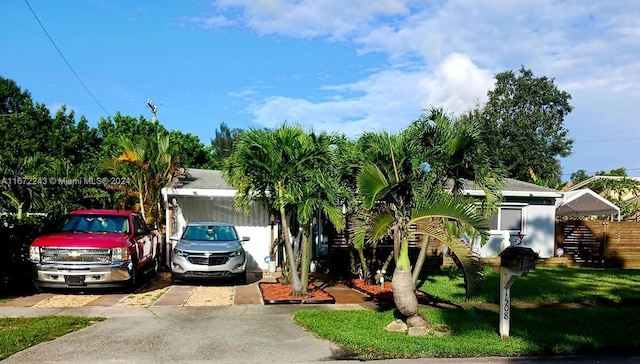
<point x="518" y="258"/>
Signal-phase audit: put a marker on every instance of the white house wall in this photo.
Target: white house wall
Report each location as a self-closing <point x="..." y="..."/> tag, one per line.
<point x="539" y="233"/>
<point x="255" y="225"/>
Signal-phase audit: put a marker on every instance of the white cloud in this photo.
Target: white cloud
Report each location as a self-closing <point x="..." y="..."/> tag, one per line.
<point x="208" y="22"/>
<point x="312" y="18"/>
<point x="458" y="84"/>
<point x="387" y="100"/>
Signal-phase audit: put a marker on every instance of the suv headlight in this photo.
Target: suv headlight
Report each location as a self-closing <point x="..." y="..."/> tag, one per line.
<point x="120" y="254"/>
<point x="180" y="253"/>
<point x="236" y="253"/>
<point x="34" y="253"/>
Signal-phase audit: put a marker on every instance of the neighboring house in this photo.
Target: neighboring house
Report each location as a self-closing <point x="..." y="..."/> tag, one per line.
<point x="527" y="209"/>
<point x="203" y="195"/>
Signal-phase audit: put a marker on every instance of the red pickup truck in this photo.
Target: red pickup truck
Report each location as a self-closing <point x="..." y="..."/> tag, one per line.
<point x="95" y="249"/>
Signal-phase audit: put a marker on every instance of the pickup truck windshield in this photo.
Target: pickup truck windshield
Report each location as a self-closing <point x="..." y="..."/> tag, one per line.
<point x="210" y="233"/>
<point x="95" y="224"/>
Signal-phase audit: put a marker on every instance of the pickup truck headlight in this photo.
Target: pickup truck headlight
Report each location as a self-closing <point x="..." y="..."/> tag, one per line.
<point x="34" y="253"/>
<point x="120" y="254"/>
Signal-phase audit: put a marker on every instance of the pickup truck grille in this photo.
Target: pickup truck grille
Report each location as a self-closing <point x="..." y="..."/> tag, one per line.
<point x="67" y="255"/>
<point x="202" y="259"/>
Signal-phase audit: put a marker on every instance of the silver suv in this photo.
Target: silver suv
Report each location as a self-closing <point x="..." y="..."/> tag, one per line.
<point x="209" y="250"/>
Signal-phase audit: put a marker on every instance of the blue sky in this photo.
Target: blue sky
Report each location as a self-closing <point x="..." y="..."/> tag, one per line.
<point x="333" y="65"/>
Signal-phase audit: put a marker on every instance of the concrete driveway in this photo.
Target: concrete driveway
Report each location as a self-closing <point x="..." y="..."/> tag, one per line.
<point x="230" y="334"/>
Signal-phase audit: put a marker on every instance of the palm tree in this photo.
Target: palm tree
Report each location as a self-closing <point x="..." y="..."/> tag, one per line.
<point x="25" y="188"/>
<point x="404" y="187"/>
<point x="282" y="169"/>
<point x="453" y="153"/>
<point x="145" y="166"/>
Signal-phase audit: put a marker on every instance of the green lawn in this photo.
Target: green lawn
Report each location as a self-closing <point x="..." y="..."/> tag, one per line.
<point x="606" y="300"/>
<point x="17" y="334"/>
<point x="545" y="285"/>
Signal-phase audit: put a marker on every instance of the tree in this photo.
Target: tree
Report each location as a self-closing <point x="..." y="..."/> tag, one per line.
<point x="523" y="123"/>
<point x="112" y="130"/>
<point x="222" y="144"/>
<point x="578" y="176"/>
<point x="191" y="152"/>
<point x="415" y="179"/>
<point x="280" y="169"/>
<point x="36" y="145"/>
<point x="145" y="166"/>
<point x="390" y="208"/>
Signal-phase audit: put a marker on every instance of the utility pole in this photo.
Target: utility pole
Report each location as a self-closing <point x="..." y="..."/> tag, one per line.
<point x="154" y="109"/>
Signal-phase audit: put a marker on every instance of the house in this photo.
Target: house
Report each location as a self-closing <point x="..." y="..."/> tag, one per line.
<point x="203" y="195"/>
<point x="527" y="209"/>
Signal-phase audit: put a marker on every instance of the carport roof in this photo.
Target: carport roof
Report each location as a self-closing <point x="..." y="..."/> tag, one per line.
<point x="200" y="182"/>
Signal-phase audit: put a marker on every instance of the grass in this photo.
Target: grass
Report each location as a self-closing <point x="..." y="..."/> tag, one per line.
<point x="17" y="334"/>
<point x="545" y="285"/>
<point x="540" y="331"/>
<point x="605" y="301"/>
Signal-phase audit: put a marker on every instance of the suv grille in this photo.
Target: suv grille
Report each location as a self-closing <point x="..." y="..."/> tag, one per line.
<point x="202" y="259"/>
<point x="70" y="255"/>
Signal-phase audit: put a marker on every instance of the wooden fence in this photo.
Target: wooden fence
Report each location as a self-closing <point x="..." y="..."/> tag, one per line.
<point x="599" y="244"/>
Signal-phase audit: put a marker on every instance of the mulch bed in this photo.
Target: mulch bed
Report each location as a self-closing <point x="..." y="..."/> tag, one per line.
<point x="278" y="293"/>
<point x="385" y="295"/>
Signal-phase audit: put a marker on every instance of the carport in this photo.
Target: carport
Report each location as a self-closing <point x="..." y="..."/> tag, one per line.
<point x="203" y="195"/>
<point x="585" y="202"/>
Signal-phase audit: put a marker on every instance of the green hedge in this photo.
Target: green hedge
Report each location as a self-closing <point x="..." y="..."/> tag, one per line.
<point x="15" y="238"/>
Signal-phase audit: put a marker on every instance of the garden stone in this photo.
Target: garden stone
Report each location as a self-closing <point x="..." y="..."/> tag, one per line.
<point x="397" y="326"/>
<point x="418" y="331"/>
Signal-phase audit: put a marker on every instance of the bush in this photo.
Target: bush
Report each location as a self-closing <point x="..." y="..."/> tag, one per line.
<point x="15" y="238"/>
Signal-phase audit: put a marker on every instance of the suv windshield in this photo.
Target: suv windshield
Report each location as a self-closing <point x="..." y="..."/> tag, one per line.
<point x="210" y="233"/>
<point x="94" y="224"/>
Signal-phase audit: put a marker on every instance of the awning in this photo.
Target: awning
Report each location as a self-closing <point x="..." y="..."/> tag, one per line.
<point x="585" y="202"/>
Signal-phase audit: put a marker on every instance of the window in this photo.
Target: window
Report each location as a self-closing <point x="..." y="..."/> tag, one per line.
<point x="509" y="218"/>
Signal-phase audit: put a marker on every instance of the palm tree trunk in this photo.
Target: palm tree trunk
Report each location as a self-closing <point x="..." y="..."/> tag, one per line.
<point x="404" y="290"/>
<point x="305" y="257"/>
<point x="366" y="274"/>
<point x="142" y="205"/>
<point x="421" y="258"/>
<point x="296" y="284"/>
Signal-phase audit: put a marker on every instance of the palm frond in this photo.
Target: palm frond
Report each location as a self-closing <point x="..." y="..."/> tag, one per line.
<point x="380" y="225"/>
<point x="372" y="183"/>
<point x="471" y="265"/>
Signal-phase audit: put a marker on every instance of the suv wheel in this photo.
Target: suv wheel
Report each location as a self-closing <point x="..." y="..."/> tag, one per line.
<point x="243" y="278"/>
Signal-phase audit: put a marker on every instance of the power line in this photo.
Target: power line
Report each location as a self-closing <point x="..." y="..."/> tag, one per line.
<point x="64" y="59"/>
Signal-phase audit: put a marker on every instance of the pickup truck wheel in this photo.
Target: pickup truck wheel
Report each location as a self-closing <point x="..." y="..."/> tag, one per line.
<point x="156" y="263"/>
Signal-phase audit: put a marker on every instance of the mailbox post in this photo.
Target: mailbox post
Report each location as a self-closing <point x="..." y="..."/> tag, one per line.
<point x="515" y="261"/>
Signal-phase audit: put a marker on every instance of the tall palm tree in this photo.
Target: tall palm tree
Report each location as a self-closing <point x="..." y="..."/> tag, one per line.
<point x="280" y="168"/>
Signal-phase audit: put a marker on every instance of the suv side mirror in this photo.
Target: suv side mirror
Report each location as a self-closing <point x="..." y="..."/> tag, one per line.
<point x="245" y="238"/>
